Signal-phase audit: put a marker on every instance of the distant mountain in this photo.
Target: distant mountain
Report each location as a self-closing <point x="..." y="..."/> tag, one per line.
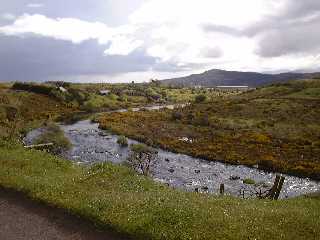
<point x="218" y="77"/>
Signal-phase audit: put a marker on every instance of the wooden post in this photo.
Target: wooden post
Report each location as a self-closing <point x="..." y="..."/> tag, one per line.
<point x="277" y="193"/>
<point x="274" y="187"/>
<point x="40" y="146"/>
<point x="221" y="189"/>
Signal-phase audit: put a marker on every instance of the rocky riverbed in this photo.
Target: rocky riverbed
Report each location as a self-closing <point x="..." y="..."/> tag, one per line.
<point x="92" y="145"/>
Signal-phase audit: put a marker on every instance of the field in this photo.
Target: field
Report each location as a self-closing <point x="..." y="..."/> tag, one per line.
<point x="275" y="127"/>
<point x="116" y="197"/>
<point x="21" y="111"/>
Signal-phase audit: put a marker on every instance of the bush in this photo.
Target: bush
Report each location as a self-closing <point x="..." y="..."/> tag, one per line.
<point x="35" y="88"/>
<point x="141" y="158"/>
<point x="200" y="98"/>
<point x="55" y="135"/>
<point x="249" y="181"/>
<point x="176" y="115"/>
<point x="122" y="141"/>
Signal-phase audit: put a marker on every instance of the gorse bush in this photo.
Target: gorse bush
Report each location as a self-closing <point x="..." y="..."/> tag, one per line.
<point x="200" y="98"/>
<point x="122" y="141"/>
<point x="176" y="115"/>
<point x="35" y="88"/>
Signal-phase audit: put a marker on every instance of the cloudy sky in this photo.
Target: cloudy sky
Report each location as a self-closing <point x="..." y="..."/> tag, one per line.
<point x="125" y="40"/>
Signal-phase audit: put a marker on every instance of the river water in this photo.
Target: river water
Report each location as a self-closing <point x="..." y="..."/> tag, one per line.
<point x="93" y="145"/>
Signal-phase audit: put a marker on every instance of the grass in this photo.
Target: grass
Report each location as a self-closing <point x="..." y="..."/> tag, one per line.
<point x="267" y="127"/>
<point x="116" y="197"/>
<point x="53" y="134"/>
<point x="31" y="111"/>
<point x="122" y="141"/>
<point x="249" y="181"/>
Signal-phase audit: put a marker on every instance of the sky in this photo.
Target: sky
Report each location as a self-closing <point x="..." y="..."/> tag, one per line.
<point x="136" y="40"/>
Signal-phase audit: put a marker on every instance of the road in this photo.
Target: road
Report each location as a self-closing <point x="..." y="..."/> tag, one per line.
<point x="24" y="219"/>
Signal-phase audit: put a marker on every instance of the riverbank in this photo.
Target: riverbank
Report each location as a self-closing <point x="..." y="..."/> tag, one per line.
<point x="92" y="145"/>
<point x="116" y="197"/>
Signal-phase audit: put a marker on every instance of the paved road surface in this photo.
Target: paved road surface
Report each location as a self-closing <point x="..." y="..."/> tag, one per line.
<point x="23" y="219"/>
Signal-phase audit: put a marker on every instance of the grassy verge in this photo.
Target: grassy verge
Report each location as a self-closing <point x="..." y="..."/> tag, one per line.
<point x="116" y="197"/>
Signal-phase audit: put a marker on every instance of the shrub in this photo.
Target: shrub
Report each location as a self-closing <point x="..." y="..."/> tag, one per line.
<point x="176" y="115"/>
<point x="55" y="135"/>
<point x="141" y="158"/>
<point x="122" y="141"/>
<point x="249" y="181"/>
<point x="35" y="88"/>
<point x="200" y="98"/>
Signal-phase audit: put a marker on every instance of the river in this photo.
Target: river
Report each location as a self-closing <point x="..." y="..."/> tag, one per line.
<point x="93" y="145"/>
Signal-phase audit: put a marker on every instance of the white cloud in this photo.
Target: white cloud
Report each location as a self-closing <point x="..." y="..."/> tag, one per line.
<point x="76" y="31"/>
<point x="176" y="33"/>
<point x="123" y="46"/>
<point x="69" y="29"/>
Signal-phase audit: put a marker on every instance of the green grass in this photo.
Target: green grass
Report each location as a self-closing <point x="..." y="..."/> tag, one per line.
<point x="116" y="197"/>
<point x="122" y="141"/>
<point x="55" y="135"/>
<point x="249" y="181"/>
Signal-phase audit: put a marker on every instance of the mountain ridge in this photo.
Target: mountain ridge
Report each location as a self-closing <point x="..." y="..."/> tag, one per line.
<point x="216" y="77"/>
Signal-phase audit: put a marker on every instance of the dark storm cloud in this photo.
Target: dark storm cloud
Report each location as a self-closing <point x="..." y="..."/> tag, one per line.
<point x="35" y="58"/>
<point x="301" y="38"/>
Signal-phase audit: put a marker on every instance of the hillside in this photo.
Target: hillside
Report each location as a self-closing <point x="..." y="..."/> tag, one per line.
<point x="218" y="77"/>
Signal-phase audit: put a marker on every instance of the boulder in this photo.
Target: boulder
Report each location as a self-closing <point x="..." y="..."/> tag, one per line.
<point x="234" y="178"/>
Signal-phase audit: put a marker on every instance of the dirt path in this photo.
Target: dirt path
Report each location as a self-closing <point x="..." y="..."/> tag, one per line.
<point x="23" y="219"/>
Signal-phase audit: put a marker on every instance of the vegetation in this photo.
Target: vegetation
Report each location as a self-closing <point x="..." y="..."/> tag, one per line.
<point x="275" y="127"/>
<point x="141" y="158"/>
<point x="249" y="181"/>
<point x="200" y="98"/>
<point x="88" y="97"/>
<point x="53" y="134"/>
<point x="116" y="197"/>
<point x="122" y="141"/>
<point x="21" y="111"/>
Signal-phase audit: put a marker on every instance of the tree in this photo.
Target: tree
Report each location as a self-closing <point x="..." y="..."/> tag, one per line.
<point x="141" y="158"/>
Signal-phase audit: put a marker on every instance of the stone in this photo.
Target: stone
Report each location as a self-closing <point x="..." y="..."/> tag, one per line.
<point x="171" y="170"/>
<point x="234" y="178"/>
<point x="197" y="171"/>
<point x="205" y="188"/>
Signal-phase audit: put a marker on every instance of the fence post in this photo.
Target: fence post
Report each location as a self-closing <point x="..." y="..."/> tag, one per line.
<point x="221" y="189"/>
<point x="274" y="187"/>
<point x="277" y="193"/>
